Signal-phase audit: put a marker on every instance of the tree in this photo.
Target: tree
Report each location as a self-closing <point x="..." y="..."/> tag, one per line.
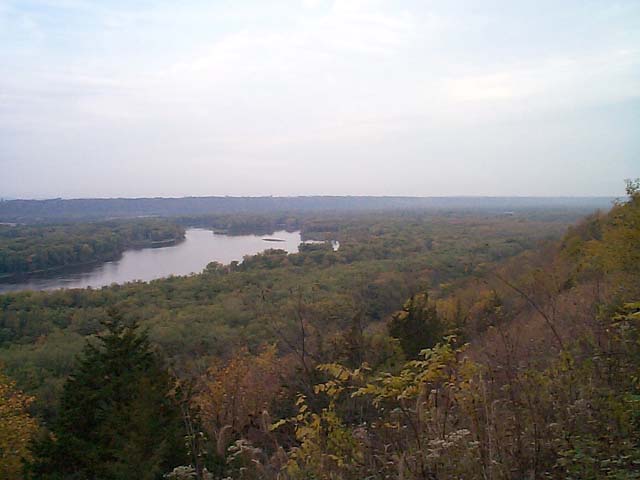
<point x="17" y="428"/>
<point x="116" y="419"/>
<point x="632" y="188"/>
<point x="417" y="325"/>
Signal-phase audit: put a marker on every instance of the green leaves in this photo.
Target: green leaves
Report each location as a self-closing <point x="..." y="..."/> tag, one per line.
<point x="417" y="325"/>
<point x="116" y="418"/>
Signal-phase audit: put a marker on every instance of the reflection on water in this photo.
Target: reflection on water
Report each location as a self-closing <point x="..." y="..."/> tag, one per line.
<point x="191" y="256"/>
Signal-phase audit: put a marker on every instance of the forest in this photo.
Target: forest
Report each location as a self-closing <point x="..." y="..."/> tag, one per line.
<point x="94" y="209"/>
<point x="429" y="346"/>
<point x="38" y="248"/>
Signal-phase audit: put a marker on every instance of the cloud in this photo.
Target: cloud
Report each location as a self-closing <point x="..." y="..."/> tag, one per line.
<point x="233" y="89"/>
<point x="608" y="76"/>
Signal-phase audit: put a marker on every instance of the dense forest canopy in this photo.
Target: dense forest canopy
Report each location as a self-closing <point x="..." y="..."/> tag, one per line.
<point x="30" y="211"/>
<point x="29" y="249"/>
<point x="428" y="346"/>
<point x="382" y="260"/>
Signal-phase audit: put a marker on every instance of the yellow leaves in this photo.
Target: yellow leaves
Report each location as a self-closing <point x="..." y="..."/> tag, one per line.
<point x="414" y="401"/>
<point x="342" y="375"/>
<point x="326" y="446"/>
<point x="336" y="370"/>
<point x="16" y="428"/>
<point x="617" y="247"/>
<point x="630" y="311"/>
<point x="331" y="388"/>
<point x="241" y="389"/>
<point x="441" y="368"/>
<point x="278" y="424"/>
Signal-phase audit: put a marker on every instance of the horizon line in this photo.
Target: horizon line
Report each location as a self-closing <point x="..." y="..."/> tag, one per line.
<point x="44" y="199"/>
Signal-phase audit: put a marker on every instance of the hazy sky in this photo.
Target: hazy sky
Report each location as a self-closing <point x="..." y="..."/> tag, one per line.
<point x="170" y="98"/>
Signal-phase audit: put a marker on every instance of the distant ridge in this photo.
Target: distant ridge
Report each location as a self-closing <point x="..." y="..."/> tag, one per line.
<point x="103" y="208"/>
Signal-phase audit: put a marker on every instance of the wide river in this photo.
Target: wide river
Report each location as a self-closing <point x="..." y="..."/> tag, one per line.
<point x="199" y="248"/>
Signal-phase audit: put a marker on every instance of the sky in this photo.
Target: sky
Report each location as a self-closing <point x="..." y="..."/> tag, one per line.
<point x="338" y="97"/>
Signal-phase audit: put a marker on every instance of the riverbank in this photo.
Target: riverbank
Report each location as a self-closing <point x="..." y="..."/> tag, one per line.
<point x="192" y="255"/>
<point x="26" y="275"/>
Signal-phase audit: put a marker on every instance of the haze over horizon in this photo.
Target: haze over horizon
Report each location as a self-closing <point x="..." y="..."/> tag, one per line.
<point x="158" y="99"/>
<point x="178" y="197"/>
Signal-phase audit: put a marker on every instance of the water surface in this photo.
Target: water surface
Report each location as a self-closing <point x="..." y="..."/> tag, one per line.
<point x="199" y="248"/>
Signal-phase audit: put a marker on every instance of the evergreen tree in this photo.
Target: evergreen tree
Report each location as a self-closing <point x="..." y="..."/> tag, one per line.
<point x="116" y="419"/>
<point x="417" y="325"/>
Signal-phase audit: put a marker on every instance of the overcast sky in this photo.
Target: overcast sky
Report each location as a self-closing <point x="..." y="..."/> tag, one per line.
<point x="173" y="98"/>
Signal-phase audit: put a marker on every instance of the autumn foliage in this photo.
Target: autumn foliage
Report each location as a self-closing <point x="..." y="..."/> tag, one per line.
<point x="17" y="428"/>
<point x="522" y="366"/>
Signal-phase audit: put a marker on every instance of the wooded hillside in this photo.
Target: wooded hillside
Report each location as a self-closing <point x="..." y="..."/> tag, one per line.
<point x="425" y="347"/>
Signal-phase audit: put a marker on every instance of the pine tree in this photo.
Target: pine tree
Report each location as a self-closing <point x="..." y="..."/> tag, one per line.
<point x="116" y="419"/>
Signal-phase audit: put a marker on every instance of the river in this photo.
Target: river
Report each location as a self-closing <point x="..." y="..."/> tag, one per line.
<point x="199" y="248"/>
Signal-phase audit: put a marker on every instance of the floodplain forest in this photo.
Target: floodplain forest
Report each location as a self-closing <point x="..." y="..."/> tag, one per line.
<point x="429" y="345"/>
